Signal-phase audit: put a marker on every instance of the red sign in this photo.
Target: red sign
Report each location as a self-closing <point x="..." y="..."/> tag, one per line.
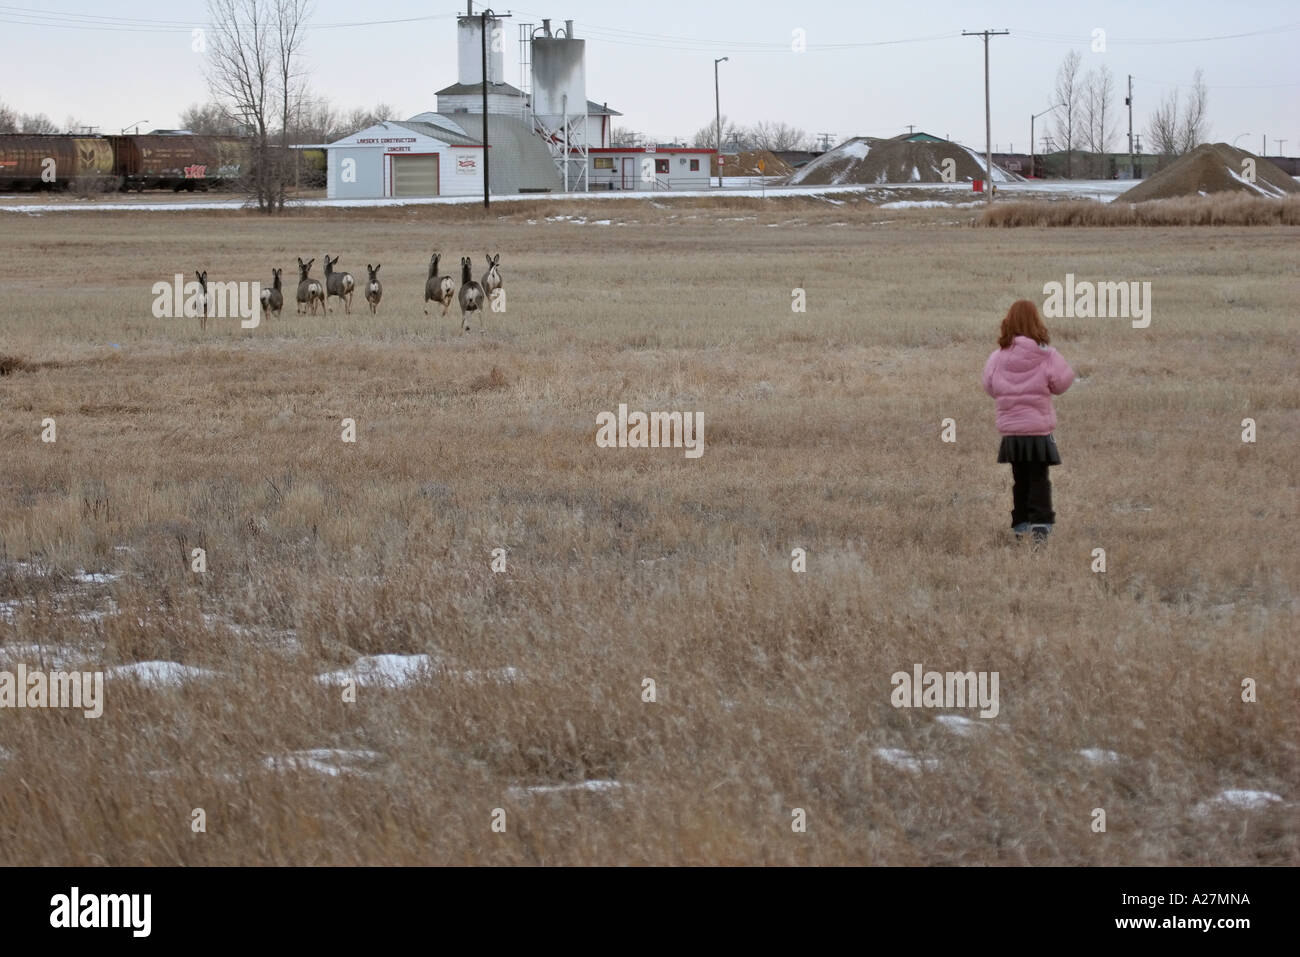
<point x="196" y="172"/>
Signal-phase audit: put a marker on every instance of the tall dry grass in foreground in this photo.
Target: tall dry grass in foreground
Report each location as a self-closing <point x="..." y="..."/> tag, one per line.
<point x="1218" y="209"/>
<point x="821" y="431"/>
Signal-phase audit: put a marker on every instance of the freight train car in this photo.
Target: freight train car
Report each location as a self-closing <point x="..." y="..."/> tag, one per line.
<point x="47" y="161"/>
<point x="178" y="160"/>
<point x="151" y="161"/>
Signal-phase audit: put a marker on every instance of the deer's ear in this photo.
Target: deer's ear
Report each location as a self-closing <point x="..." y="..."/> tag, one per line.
<point x="378" y="266"/>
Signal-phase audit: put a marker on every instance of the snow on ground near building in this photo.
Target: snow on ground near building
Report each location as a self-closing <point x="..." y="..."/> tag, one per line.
<point x="1101" y="190"/>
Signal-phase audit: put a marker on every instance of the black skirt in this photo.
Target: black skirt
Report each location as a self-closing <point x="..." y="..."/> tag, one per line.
<point x="1028" y="448"/>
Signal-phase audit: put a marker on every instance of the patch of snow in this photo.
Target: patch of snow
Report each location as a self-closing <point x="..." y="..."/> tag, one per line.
<point x="1099" y="756"/>
<point x="905" y="760"/>
<point x="916" y="175"/>
<point x="95" y="578"/>
<point x="959" y="725"/>
<point x="915" y="204"/>
<point x="597" y="786"/>
<point x="161" y="674"/>
<point x="330" y="761"/>
<point x="1235" y="799"/>
<point x="393" y="671"/>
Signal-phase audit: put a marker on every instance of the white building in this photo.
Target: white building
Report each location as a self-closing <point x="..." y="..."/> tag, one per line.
<point x="429" y="156"/>
<point x="648" y="168"/>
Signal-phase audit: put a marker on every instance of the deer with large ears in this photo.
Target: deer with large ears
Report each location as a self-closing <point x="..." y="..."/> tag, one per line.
<point x="310" y="291"/>
<point x="273" y="298"/>
<point x="203" y="313"/>
<point x="492" y="278"/>
<point x="374" y="291"/>
<point x="471" y="294"/>
<point x="338" y="284"/>
<point x="441" y="289"/>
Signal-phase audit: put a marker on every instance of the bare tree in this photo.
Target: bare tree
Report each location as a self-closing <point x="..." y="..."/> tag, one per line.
<point x="622" y="136"/>
<point x="251" y="72"/>
<point x="778" y="136"/>
<point x="360" y="118"/>
<point x="1174" y="132"/>
<point x="1098" y="120"/>
<point x="733" y="137"/>
<point x="210" y="119"/>
<point x="8" y="119"/>
<point x="1162" y="126"/>
<point x="1068" y="92"/>
<point x="1195" y="126"/>
<point x="36" y="123"/>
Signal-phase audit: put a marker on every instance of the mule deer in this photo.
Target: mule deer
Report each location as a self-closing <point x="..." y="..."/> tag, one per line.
<point x="203" y="284"/>
<point x="273" y="298"/>
<point x="471" y="293"/>
<point x="373" y="289"/>
<point x="438" y="288"/>
<point x="310" y="291"/>
<point x="492" y="278"/>
<point x="338" y="284"/>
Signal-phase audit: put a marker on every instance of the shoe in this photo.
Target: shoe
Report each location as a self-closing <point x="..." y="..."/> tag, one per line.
<point x="1040" y="532"/>
<point x="1020" y="529"/>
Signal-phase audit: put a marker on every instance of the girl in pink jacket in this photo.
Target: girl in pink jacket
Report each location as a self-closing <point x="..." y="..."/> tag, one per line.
<point x="1023" y="374"/>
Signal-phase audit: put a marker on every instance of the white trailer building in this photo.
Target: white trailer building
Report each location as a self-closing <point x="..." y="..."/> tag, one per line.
<point x="649" y="168"/>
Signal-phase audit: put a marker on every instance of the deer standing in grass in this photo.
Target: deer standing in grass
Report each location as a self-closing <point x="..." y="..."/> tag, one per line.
<point x="437" y="288"/>
<point x="374" y="291"/>
<point x="471" y="294"/>
<point x="310" y="291"/>
<point x="492" y="278"/>
<point x="203" y="284"/>
<point x="338" y="284"/>
<point x="273" y="298"/>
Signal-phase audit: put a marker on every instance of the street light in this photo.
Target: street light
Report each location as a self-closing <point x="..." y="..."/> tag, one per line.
<point x="1032" y="117"/>
<point x="1237" y="137"/>
<point x="136" y="124"/>
<point x="717" y="106"/>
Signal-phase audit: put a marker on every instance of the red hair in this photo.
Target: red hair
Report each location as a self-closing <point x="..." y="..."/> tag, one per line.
<point x="1022" y="319"/>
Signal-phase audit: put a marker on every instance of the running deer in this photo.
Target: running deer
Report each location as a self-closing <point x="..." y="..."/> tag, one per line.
<point x="471" y="293"/>
<point x="273" y="298"/>
<point x="440" y="289"/>
<point x="203" y="284"/>
<point x="373" y="289"/>
<point x="492" y="278"/>
<point x="310" y="292"/>
<point x="338" y="284"/>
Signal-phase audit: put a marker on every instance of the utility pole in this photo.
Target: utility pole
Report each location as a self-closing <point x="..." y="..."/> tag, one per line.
<point x="1128" y="101"/>
<point x="717" y="107"/>
<point x="1263" y="150"/>
<point x="1033" y="171"/>
<point x="484" y="16"/>
<point x="988" y="122"/>
<point x="1280" y="144"/>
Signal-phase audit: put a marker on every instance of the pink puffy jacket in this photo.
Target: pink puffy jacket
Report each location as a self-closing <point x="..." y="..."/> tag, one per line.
<point x="1023" y="378"/>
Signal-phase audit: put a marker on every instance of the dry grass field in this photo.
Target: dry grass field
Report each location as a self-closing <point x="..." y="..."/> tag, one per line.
<point x="773" y="687"/>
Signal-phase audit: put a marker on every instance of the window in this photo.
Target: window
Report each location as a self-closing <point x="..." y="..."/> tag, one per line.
<point x="661" y="166"/>
<point x="695" y="166"/>
<point x="603" y="162"/>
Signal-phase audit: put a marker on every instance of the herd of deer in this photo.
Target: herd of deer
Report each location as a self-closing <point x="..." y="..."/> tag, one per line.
<point x="473" y="296"/>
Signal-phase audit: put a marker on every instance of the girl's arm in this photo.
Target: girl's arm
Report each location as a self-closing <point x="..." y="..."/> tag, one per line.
<point x="1059" y="374"/>
<point x="988" y="374"/>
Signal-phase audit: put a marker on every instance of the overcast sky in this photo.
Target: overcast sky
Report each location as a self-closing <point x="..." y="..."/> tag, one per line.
<point x="653" y="61"/>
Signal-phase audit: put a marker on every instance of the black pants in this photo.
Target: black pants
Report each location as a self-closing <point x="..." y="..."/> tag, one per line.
<point x="1031" y="496"/>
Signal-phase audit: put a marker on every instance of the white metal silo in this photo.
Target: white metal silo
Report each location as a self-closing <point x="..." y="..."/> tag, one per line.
<point x="559" y="99"/>
<point x="469" y="49"/>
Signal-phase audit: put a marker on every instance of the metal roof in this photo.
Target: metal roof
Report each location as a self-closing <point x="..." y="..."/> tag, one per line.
<point x="437" y="132"/>
<point x="496" y="89"/>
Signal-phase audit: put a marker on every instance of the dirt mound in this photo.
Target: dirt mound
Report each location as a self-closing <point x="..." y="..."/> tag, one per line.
<point x="746" y="164"/>
<point x="1212" y="168"/>
<point x="866" y="159"/>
